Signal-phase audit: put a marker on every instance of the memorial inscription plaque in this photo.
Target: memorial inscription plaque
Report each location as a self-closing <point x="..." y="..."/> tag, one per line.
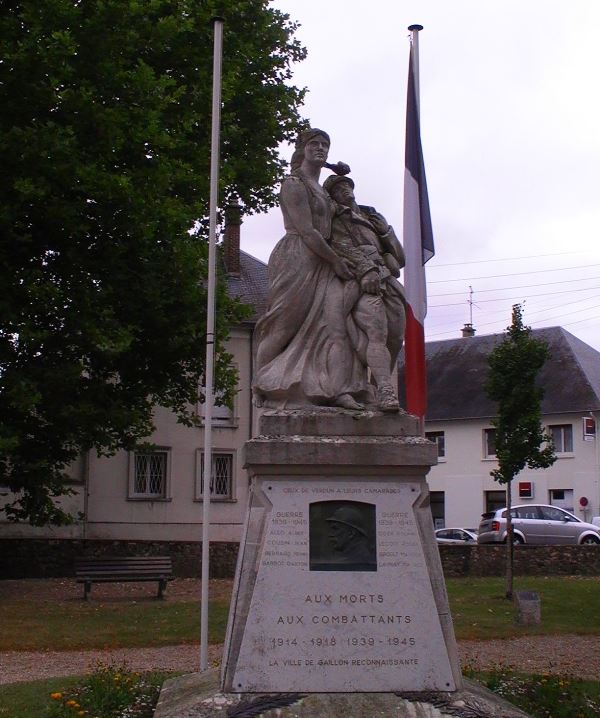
<point x="341" y="597"/>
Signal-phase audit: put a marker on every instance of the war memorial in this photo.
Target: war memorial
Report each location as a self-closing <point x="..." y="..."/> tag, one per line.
<point x="339" y="605"/>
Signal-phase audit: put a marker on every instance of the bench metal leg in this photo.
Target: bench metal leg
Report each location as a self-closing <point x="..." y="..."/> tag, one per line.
<point x="87" y="587"/>
<point x="162" y="584"/>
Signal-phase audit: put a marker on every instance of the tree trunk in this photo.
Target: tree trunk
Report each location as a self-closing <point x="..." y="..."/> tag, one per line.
<point x="509" y="543"/>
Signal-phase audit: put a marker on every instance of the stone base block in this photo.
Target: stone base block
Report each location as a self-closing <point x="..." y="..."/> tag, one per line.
<point x="196" y="695"/>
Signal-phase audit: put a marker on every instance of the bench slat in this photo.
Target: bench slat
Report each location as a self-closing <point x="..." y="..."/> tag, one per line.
<point x="121" y="579"/>
<point x="125" y="560"/>
<point x="127" y="567"/>
<point x="124" y="577"/>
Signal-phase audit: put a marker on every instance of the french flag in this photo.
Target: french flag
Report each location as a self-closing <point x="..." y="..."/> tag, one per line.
<point x="418" y="248"/>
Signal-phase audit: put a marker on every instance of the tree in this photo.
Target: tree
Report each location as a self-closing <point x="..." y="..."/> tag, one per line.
<point x="105" y="140"/>
<point x="514" y="366"/>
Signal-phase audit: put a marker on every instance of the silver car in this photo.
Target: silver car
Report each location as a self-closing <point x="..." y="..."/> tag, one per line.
<point x="537" y="524"/>
<point x="456" y="536"/>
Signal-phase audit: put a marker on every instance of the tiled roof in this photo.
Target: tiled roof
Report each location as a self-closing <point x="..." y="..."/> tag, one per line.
<point x="252" y="286"/>
<point x="457" y="370"/>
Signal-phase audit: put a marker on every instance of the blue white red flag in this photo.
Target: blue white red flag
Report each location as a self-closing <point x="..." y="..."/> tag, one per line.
<point x="418" y="248"/>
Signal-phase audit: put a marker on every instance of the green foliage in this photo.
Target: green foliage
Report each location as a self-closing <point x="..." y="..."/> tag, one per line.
<point x="543" y="696"/>
<point x="514" y="367"/>
<point x="105" y="140"/>
<point x="109" y="692"/>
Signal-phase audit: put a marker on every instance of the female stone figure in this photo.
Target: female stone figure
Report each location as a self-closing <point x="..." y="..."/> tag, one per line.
<point x="304" y="355"/>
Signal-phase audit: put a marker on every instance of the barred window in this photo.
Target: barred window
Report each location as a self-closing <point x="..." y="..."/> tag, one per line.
<point x="221" y="480"/>
<point x="150" y="474"/>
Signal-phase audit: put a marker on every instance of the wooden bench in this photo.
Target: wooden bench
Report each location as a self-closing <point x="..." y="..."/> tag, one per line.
<point x="116" y="569"/>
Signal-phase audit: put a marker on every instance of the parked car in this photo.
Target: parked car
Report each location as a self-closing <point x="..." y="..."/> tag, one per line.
<point x="537" y="524"/>
<point x="456" y="536"/>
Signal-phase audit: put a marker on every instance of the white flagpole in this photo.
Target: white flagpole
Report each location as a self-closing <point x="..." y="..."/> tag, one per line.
<point x="210" y="334"/>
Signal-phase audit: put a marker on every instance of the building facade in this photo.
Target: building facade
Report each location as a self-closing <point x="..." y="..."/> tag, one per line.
<point x="459" y="420"/>
<point x="156" y="494"/>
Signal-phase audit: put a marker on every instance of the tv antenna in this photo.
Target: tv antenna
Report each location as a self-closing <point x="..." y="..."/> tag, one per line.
<point x="471" y="304"/>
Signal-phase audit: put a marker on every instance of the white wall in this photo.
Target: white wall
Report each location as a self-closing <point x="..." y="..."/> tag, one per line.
<point x="464" y="473"/>
<point x="113" y="515"/>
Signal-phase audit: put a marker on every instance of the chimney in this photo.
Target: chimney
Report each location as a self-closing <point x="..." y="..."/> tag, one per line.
<point x="468" y="330"/>
<point x="231" y="237"/>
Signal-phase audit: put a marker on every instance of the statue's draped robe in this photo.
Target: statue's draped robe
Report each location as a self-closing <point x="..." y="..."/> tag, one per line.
<point x="305" y="353"/>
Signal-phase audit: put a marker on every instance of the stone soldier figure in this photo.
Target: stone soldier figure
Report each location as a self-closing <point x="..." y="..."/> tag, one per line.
<point x="362" y="236"/>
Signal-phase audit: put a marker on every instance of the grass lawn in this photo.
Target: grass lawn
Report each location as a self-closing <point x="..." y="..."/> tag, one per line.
<point x="35" y="625"/>
<point x="480" y="611"/>
<point x="29" y="700"/>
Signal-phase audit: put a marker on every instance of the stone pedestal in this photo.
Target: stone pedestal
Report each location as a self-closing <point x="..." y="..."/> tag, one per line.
<point x="339" y="586"/>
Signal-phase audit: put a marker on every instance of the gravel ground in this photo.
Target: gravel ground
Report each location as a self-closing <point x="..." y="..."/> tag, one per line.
<point x="578" y="656"/>
<point x="573" y="655"/>
<point x="18" y="666"/>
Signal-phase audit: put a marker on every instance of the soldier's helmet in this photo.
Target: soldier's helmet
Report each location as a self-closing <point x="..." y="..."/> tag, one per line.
<point x="349" y="516"/>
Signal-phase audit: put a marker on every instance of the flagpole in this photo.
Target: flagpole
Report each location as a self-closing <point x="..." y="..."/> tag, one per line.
<point x="210" y="335"/>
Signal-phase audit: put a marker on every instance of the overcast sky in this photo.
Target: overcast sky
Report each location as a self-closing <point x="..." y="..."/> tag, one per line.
<point x="510" y="125"/>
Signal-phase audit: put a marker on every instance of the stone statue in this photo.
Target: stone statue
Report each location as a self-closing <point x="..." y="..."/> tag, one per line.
<point x="329" y="330"/>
